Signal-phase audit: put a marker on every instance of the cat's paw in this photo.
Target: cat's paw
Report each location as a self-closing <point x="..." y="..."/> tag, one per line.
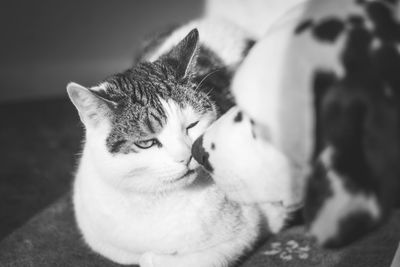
<point x="147" y="260"/>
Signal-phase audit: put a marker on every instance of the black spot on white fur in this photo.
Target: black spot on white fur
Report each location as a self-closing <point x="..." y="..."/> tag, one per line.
<point x="238" y="117"/>
<point x="302" y="26"/>
<point x="249" y="45"/>
<point x="201" y="155"/>
<point x="328" y="29"/>
<point x="253" y="134"/>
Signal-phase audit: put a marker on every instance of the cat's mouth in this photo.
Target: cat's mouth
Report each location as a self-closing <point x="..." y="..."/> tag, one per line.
<point x="186" y="174"/>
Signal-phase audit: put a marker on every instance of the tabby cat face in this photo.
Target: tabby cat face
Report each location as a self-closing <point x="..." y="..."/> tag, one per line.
<point x="140" y="124"/>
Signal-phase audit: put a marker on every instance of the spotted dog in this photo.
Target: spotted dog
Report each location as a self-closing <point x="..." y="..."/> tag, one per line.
<point x="318" y="107"/>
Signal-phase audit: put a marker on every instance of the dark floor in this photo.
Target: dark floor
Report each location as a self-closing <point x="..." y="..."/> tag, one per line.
<point x="40" y="143"/>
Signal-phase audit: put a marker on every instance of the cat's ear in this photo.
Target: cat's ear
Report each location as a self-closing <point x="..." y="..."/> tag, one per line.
<point x="92" y="108"/>
<point x="183" y="56"/>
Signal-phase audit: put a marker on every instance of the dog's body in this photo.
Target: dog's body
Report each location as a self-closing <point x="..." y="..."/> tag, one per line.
<point x="319" y="98"/>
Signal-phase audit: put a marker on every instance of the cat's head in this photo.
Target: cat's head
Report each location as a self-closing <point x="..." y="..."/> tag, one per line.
<point x="140" y="124"/>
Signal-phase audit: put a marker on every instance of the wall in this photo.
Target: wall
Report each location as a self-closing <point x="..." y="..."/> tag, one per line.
<point x="45" y="44"/>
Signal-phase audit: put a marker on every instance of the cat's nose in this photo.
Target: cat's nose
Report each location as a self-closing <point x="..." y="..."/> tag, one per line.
<point x="182" y="155"/>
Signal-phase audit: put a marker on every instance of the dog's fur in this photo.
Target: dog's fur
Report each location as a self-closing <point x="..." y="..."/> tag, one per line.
<point x="318" y="98"/>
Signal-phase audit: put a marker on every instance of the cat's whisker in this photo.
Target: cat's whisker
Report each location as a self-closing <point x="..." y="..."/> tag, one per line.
<point x="198" y="86"/>
<point x="209" y="92"/>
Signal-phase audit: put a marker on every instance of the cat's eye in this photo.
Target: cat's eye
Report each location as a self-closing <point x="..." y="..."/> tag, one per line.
<point x="191" y="125"/>
<point x="145" y="144"/>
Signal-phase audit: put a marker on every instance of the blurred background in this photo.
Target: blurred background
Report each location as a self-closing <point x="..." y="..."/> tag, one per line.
<point x="44" y="45"/>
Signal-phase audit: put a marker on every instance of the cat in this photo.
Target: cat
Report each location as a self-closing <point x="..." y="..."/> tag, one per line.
<point x="139" y="197"/>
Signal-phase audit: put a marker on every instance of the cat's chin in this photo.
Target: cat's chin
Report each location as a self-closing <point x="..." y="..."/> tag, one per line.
<point x="167" y="185"/>
<point x="184" y="176"/>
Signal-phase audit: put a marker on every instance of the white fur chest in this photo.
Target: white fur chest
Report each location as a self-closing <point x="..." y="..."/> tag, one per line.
<point x="185" y="221"/>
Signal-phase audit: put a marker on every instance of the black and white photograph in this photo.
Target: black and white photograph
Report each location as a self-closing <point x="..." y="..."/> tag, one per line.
<point x="200" y="133"/>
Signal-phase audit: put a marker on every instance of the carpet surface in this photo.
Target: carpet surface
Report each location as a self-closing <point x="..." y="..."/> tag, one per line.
<point x="52" y="239"/>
